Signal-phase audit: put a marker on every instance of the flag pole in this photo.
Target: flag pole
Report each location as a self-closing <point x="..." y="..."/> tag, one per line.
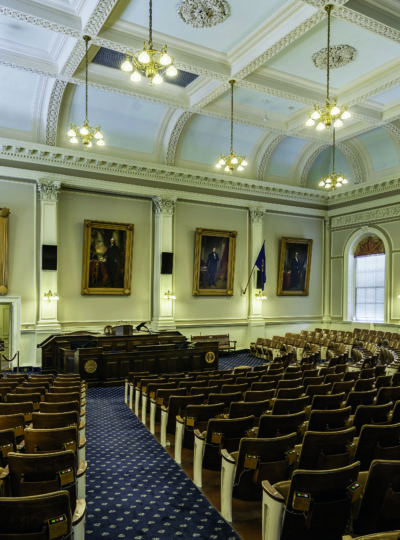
<point x="248" y="281"/>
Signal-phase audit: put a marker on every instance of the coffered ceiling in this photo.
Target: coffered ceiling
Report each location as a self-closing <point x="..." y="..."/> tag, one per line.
<point x="266" y="46"/>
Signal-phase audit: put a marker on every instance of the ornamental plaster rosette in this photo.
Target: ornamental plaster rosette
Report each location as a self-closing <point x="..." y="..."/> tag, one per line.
<point x="340" y="55"/>
<point x="203" y="13"/>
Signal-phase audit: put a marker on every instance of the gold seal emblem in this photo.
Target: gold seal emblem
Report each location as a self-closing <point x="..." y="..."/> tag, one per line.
<point x="210" y="357"/>
<point x="90" y="366"/>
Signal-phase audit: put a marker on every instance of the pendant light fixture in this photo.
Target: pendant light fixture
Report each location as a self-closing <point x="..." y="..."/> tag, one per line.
<point x="232" y="161"/>
<point x="152" y="63"/>
<point x="333" y="180"/>
<point x="323" y="117"/>
<point x="85" y="133"/>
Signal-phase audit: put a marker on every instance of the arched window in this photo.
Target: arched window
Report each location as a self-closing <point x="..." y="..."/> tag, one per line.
<point x="369" y="280"/>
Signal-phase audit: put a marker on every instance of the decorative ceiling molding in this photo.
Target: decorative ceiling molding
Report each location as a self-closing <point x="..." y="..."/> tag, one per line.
<point x="340" y="55"/>
<point x="376" y="215"/>
<point x="310" y="162"/>
<point x="358" y="172"/>
<point x="170" y="158"/>
<point x="53" y="112"/>
<point x="171" y="177"/>
<point x="284" y="42"/>
<point x="203" y="13"/>
<point x="38" y="21"/>
<point x="354" y="194"/>
<point x="348" y="15"/>
<point x="263" y="166"/>
<point x="99" y="17"/>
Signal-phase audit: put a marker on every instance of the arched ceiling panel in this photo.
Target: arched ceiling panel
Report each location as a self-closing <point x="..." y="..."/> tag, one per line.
<point x="205" y="138"/>
<point x="222" y="37"/>
<point x="381" y="148"/>
<point x="322" y="166"/>
<point x="17" y="91"/>
<point x="285" y="156"/>
<point x="126" y="122"/>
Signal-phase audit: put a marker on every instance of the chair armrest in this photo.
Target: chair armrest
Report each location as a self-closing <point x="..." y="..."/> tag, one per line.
<point x="79" y="514"/>
<point x="227" y="457"/>
<point x="82" y="442"/>
<point x="271" y="492"/>
<point x="179" y="419"/>
<point x="164" y="408"/>
<point x="198" y="434"/>
<point x="82" y="468"/>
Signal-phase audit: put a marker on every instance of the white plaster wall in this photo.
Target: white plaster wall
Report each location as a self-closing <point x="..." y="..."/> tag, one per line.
<point x="293" y="308"/>
<point x="84" y="310"/>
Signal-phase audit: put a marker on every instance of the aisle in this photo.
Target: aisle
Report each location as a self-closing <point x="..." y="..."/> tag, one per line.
<point x="134" y="488"/>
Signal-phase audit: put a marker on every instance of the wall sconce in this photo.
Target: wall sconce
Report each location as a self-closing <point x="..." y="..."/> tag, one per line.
<point x="50" y="295"/>
<point x="169" y="296"/>
<point x="260" y="296"/>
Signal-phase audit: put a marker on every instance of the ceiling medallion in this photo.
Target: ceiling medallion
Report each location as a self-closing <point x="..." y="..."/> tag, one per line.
<point x="203" y="13"/>
<point x="340" y="55"/>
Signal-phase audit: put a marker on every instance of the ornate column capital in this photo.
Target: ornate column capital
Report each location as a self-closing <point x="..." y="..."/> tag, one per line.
<point x="256" y="214"/>
<point x="164" y="205"/>
<point x="49" y="190"/>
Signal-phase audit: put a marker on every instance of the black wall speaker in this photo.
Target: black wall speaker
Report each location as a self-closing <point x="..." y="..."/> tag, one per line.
<point x="259" y="283"/>
<point x="167" y="259"/>
<point x="49" y="257"/>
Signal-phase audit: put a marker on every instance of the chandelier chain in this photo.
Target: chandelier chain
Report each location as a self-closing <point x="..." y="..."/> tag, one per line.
<point x="328" y="50"/>
<point x="232" y="83"/>
<point x="150" y="24"/>
<point x="333" y="150"/>
<point x="86" y="38"/>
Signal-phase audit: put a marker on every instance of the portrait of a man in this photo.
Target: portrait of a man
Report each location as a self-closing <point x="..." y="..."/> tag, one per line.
<point x="107" y="258"/>
<point x="294" y="267"/>
<point x="214" y="262"/>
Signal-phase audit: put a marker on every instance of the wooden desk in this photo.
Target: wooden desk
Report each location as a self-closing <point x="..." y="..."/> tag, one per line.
<point x="108" y="359"/>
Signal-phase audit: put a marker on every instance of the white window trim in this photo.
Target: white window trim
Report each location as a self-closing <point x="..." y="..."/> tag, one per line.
<point x="349" y="273"/>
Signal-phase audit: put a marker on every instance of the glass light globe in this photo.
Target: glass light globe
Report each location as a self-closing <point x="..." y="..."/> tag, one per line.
<point x="335" y="110"/>
<point x="218" y="165"/>
<point x="71" y="133"/>
<point x="310" y="122"/>
<point x="221" y="161"/>
<point x="244" y="163"/>
<point x="240" y="168"/>
<point x="345" y="115"/>
<point x="98" y="134"/>
<point x="135" y="77"/>
<point x="84" y="130"/>
<point x="322" y="183"/>
<point x="144" y="57"/>
<point x="315" y="115"/>
<point x="100" y="142"/>
<point x="88" y="144"/>
<point x="165" y="59"/>
<point x="171" y="71"/>
<point x="340" y="179"/>
<point x="126" y="65"/>
<point x="227" y="169"/>
<point x="157" y="79"/>
<point x="345" y="181"/>
<point x="337" y="123"/>
<point x="73" y="140"/>
<point x="328" y="180"/>
<point x="234" y="160"/>
<point x="320" y="126"/>
<point x="327" y="186"/>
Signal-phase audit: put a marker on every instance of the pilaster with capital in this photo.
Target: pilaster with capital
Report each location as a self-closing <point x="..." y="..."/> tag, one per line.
<point x="48" y="197"/>
<point x="327" y="269"/>
<point x="256" y="240"/>
<point x="163" y="309"/>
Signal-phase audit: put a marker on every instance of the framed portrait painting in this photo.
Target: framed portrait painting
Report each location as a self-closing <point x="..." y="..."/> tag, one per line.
<point x="214" y="262"/>
<point x="107" y="258"/>
<point x="294" y="267"/>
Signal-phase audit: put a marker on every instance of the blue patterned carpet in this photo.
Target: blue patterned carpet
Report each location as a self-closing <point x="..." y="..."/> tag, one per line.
<point x="134" y="489"/>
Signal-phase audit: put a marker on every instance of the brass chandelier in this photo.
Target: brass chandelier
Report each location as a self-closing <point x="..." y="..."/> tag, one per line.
<point x="333" y="180"/>
<point x="232" y="161"/>
<point x="330" y="114"/>
<point x="151" y="63"/>
<point x="85" y="133"/>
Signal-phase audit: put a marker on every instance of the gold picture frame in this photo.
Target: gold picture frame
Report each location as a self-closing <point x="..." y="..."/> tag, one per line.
<point x="4" y="241"/>
<point x="294" y="267"/>
<point x="214" y="262"/>
<point x="107" y="258"/>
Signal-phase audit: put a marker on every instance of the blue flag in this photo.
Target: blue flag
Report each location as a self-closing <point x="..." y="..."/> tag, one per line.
<point x="260" y="263"/>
